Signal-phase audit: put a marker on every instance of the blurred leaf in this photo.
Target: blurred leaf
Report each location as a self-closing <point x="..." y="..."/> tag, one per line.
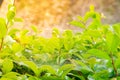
<point x="47" y="69"/>
<point x="55" y="32"/>
<point x="65" y="69"/>
<point x="112" y="41"/>
<point x="68" y="40"/>
<point x="32" y="66"/>
<point x="11" y="75"/>
<point x="16" y="47"/>
<point x="13" y="32"/>
<point x="34" y="28"/>
<point x="7" y="66"/>
<point x="18" y="19"/>
<point x="117" y="29"/>
<point x="98" y="53"/>
<point x="10" y="15"/>
<point x="91" y="7"/>
<point x="102" y="75"/>
<point x="77" y="24"/>
<point x="117" y="63"/>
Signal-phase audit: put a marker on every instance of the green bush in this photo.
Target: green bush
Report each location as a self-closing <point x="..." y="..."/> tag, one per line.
<point x="92" y="54"/>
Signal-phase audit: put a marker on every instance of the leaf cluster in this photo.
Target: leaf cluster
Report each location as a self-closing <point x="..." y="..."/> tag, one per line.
<point x="92" y="54"/>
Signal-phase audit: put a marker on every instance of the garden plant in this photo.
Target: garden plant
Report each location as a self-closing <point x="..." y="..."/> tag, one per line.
<point x="91" y="54"/>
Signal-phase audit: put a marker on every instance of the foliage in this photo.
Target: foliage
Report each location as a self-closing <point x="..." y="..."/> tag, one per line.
<point x="92" y="54"/>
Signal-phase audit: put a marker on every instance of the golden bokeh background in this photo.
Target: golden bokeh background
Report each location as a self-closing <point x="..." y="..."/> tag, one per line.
<point x="46" y="14"/>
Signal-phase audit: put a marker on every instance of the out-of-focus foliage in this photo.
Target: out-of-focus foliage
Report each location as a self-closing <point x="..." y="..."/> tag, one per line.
<point x="46" y="14"/>
<point x="92" y="54"/>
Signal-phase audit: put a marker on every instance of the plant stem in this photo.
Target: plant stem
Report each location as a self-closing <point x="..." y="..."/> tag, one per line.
<point x="59" y="57"/>
<point x="1" y="45"/>
<point x="113" y="64"/>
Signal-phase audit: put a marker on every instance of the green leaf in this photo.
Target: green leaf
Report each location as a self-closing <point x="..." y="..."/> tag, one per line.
<point x="10" y="15"/>
<point x="32" y="66"/>
<point x="98" y="53"/>
<point x="65" y="69"/>
<point x="13" y="32"/>
<point x="7" y="65"/>
<point x="11" y="75"/>
<point x="117" y="62"/>
<point x="3" y="28"/>
<point x="68" y="40"/>
<point x="112" y="41"/>
<point x="18" y="19"/>
<point x="91" y="7"/>
<point x="16" y="47"/>
<point x="55" y="32"/>
<point x="102" y="75"/>
<point x="77" y="24"/>
<point x="34" y="28"/>
<point x="117" y="29"/>
<point x="33" y="78"/>
<point x="46" y="68"/>
<point x="5" y="79"/>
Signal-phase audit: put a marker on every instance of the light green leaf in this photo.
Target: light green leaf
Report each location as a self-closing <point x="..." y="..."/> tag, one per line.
<point x="5" y="79"/>
<point x="117" y="29"/>
<point x="117" y="63"/>
<point x="34" y="28"/>
<point x="11" y="75"/>
<point x="18" y="19"/>
<point x="65" y="69"/>
<point x="68" y="40"/>
<point x="47" y="68"/>
<point x="55" y="32"/>
<point x="91" y="7"/>
<point x="10" y="15"/>
<point x="16" y="47"/>
<point x="32" y="66"/>
<point x="77" y="24"/>
<point x="112" y="41"/>
<point x="7" y="65"/>
<point x="98" y="53"/>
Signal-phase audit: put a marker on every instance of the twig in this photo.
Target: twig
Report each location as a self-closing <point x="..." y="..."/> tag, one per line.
<point x="1" y="45"/>
<point x="113" y="64"/>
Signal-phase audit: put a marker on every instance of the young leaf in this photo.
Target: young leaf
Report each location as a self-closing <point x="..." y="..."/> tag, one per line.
<point x="11" y="75"/>
<point x="68" y="40"/>
<point x="112" y="41"/>
<point x="10" y="15"/>
<point x="32" y="66"/>
<point x="98" y="53"/>
<point x="16" y="47"/>
<point x="7" y="65"/>
<point x="77" y="24"/>
<point x="91" y="7"/>
<point x="65" y="69"/>
<point x="117" y="29"/>
<point x="47" y="68"/>
<point x="34" y="28"/>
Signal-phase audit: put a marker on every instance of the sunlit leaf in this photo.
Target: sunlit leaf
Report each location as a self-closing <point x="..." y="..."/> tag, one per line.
<point x="77" y="24"/>
<point x="65" y="69"/>
<point x="32" y="66"/>
<point x="7" y="65"/>
<point x="98" y="53"/>
<point x="112" y="41"/>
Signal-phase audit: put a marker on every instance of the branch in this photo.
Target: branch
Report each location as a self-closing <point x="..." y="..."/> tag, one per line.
<point x="113" y="64"/>
<point x="1" y="45"/>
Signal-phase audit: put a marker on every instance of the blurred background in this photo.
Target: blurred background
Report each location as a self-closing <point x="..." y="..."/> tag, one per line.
<point x="46" y="14"/>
